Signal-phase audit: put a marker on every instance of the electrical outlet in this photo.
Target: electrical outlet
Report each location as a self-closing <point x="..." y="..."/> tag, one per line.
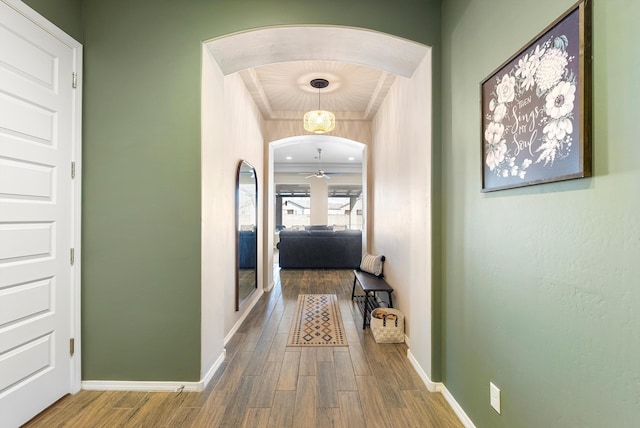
<point x="494" y="397"/>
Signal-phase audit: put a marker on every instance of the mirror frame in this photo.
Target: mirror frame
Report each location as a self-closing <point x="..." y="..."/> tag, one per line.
<point x="241" y="164"/>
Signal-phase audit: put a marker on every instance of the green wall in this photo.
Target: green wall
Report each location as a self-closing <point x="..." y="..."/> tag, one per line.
<point x="541" y="288"/>
<point x="66" y="14"/>
<point x="141" y="164"/>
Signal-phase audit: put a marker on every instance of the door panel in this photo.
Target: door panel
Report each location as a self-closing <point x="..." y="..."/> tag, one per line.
<point x="36" y="107"/>
<point x="27" y="300"/>
<point x="25" y="180"/>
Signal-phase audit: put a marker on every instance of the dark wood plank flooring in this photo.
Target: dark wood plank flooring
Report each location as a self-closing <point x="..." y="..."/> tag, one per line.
<point x="264" y="383"/>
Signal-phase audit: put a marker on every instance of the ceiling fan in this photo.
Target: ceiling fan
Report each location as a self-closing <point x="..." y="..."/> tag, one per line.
<point x="319" y="173"/>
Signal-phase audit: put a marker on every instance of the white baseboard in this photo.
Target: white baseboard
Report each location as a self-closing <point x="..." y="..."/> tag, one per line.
<point x="154" y="386"/>
<point x="254" y="299"/>
<point x="273" y="284"/>
<point x="213" y="369"/>
<point x="441" y="388"/>
<point x="431" y="385"/>
<point x="466" y="421"/>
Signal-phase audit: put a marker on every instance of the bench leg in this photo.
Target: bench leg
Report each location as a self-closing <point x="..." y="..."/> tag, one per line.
<point x="365" y="311"/>
<point x="364" y="302"/>
<point x="353" y="290"/>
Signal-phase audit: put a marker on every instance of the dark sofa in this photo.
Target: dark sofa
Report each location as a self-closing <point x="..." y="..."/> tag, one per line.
<point x="247" y="249"/>
<point x="318" y="248"/>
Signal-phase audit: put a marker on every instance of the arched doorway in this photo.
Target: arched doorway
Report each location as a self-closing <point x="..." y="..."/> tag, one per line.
<point x="313" y="141"/>
<point x="223" y="58"/>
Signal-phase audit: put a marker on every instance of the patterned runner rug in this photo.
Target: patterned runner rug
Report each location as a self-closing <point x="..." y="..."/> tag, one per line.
<point x="317" y="322"/>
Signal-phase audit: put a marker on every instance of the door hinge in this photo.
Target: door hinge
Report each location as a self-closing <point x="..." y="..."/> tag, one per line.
<point x="74" y="80"/>
<point x="73" y="256"/>
<point x="73" y="170"/>
<point x="72" y="346"/>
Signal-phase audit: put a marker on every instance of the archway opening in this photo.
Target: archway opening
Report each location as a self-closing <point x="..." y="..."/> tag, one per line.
<point x="232" y="130"/>
<point x="354" y="175"/>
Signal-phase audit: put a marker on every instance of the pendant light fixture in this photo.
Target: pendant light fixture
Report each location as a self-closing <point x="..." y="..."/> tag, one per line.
<point x="319" y="121"/>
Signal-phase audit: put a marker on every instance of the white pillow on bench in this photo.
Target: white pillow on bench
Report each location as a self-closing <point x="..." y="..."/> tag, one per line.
<point x="372" y="264"/>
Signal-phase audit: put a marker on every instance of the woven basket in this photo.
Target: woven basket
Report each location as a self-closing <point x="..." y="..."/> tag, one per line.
<point x="387" y="329"/>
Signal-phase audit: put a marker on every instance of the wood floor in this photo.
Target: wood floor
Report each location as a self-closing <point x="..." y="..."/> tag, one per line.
<point x="264" y="383"/>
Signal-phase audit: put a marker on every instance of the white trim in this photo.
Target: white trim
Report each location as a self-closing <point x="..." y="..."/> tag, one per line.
<point x="76" y="281"/>
<point x="407" y="341"/>
<point x="214" y="368"/>
<point x="245" y="49"/>
<point x="256" y="296"/>
<point x="442" y="389"/>
<point x="431" y="386"/>
<point x="76" y="192"/>
<point x="466" y="421"/>
<point x="153" y="386"/>
<point x="268" y="289"/>
<point x="42" y="22"/>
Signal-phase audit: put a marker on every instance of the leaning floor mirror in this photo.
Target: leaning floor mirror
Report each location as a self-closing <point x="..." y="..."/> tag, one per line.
<point x="246" y="232"/>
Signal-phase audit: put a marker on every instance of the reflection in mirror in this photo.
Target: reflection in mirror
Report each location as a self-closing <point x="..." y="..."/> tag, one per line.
<point x="246" y="232"/>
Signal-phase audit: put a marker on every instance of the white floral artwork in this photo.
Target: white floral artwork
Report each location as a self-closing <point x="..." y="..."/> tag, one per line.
<point x="530" y="109"/>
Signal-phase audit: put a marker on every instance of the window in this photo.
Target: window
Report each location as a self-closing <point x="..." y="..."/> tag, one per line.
<point x="345" y="206"/>
<point x="293" y="204"/>
<point x="296" y="211"/>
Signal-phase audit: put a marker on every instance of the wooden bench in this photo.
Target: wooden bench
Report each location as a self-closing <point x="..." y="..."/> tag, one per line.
<point x="370" y="285"/>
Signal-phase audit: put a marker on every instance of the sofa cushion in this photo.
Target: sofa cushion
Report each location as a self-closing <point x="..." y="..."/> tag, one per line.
<point x="348" y="232"/>
<point x="318" y="227"/>
<point x="372" y="264"/>
<point x="293" y="232"/>
<point x="319" y="232"/>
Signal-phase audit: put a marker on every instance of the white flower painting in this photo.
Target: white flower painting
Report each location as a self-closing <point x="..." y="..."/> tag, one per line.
<point x="530" y="108"/>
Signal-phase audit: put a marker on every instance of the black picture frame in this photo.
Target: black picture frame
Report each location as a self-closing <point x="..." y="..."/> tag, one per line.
<point x="536" y="108"/>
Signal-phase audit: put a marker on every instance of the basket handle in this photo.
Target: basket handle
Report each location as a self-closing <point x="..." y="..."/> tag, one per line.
<point x="384" y="319"/>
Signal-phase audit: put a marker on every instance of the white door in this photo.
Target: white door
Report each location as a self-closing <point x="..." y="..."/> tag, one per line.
<point x="36" y="230"/>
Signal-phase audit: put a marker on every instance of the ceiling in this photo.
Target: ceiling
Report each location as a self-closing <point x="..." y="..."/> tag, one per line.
<point x="283" y="91"/>
<point x="277" y="64"/>
<point x="301" y="156"/>
<point x="304" y="190"/>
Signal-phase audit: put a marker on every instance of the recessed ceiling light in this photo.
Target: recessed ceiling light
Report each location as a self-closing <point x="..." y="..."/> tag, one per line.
<point x="352" y="158"/>
<point x="289" y="158"/>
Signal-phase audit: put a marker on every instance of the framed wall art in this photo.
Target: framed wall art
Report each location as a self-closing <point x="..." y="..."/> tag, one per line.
<point x="536" y="108"/>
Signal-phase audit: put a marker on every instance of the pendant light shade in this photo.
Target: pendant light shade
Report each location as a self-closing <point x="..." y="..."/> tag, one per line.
<point x="319" y="121"/>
